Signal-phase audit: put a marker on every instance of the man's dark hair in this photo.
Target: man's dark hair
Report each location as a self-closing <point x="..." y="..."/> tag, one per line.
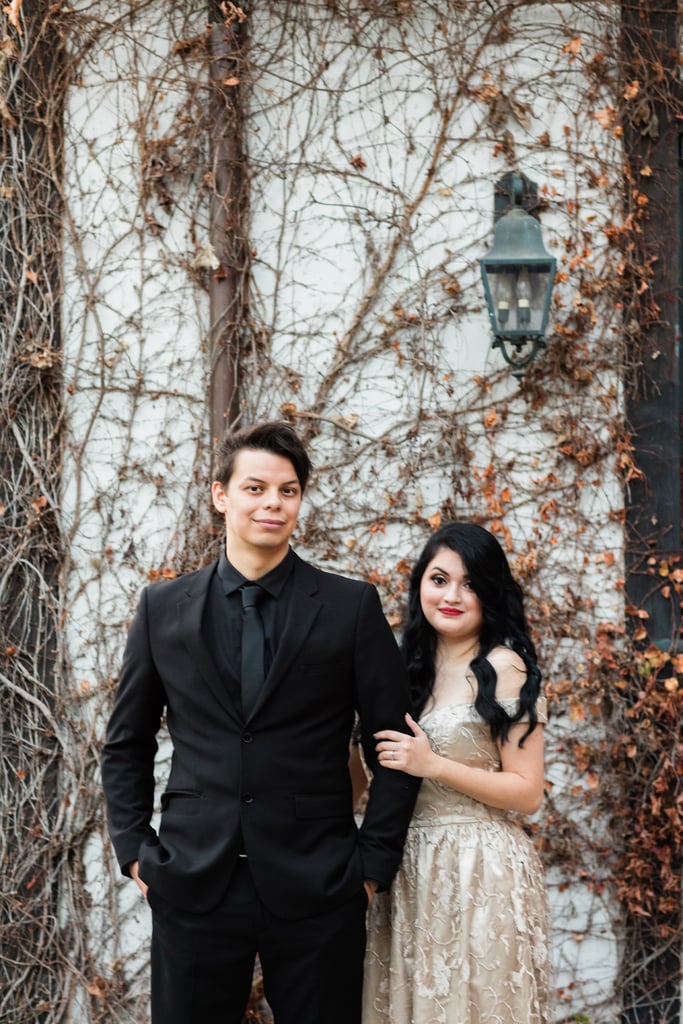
<point x="275" y="437"/>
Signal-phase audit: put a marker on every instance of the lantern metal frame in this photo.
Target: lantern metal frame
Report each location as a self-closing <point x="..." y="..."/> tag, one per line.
<point x="518" y="274"/>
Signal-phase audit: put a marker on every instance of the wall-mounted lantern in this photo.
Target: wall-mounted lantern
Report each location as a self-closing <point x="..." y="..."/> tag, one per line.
<point x="518" y="274"/>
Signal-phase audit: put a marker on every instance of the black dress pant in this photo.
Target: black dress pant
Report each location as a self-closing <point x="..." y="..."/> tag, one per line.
<point x="202" y="964"/>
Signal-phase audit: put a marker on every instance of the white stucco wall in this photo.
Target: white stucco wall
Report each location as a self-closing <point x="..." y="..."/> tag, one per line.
<point x="341" y="251"/>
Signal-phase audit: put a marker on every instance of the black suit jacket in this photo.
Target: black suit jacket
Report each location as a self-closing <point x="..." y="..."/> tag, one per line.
<point x="280" y="780"/>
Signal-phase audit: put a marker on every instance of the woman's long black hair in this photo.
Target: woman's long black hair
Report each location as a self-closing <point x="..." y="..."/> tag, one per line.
<point x="504" y="625"/>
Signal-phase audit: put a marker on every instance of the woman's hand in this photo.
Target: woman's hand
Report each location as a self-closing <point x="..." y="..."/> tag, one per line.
<point x="411" y="754"/>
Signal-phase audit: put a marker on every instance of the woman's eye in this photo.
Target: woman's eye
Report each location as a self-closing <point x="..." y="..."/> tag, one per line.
<point x="439" y="580"/>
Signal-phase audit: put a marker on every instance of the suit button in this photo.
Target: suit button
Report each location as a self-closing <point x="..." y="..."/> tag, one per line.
<point x="247" y="798"/>
<point x="247" y="737"/>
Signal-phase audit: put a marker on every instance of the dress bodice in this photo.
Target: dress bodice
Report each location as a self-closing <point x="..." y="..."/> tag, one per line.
<point x="458" y="732"/>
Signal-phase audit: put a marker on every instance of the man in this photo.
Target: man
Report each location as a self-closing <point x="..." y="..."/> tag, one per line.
<point x="257" y="849"/>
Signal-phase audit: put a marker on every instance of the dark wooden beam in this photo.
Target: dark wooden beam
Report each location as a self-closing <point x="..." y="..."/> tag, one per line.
<point x="229" y="212"/>
<point x="651" y="981"/>
<point x="653" y="399"/>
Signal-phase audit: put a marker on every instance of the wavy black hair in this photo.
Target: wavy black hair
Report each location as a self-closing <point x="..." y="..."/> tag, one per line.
<point x="504" y="625"/>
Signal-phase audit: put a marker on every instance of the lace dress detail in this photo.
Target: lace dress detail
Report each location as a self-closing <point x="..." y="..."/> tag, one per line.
<point x="462" y="936"/>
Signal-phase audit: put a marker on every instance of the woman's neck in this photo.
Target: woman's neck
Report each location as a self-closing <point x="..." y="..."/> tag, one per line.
<point x="454" y="681"/>
<point x="453" y="653"/>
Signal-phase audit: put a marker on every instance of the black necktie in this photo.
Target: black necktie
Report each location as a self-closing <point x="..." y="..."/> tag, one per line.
<point x="253" y="647"/>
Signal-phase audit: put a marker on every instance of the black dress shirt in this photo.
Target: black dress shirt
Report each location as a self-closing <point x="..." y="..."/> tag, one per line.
<point x="223" y="613"/>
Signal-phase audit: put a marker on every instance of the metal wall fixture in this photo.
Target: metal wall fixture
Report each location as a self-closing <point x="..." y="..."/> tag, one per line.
<point x="518" y="274"/>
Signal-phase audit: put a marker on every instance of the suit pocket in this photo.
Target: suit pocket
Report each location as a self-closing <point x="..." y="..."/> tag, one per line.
<point x="180" y="801"/>
<point x="323" y="805"/>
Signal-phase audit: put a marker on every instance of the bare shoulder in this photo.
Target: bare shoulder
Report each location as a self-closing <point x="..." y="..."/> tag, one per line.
<point x="510" y="670"/>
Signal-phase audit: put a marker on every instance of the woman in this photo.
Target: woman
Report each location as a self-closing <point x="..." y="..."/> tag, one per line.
<point x="462" y="937"/>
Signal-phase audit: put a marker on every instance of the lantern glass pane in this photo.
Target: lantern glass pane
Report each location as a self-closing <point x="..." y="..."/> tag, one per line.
<point x="519" y="295"/>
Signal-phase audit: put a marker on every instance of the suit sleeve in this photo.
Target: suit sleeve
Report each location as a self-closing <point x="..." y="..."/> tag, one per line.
<point x="382" y="701"/>
<point x="131" y="745"/>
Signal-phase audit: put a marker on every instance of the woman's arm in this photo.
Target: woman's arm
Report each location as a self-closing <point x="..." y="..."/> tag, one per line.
<point x="517" y="787"/>
<point x="519" y="784"/>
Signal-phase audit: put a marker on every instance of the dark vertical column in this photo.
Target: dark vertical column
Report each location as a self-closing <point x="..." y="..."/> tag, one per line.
<point x="680" y="312"/>
<point x="653" y="394"/>
<point x="651" y="983"/>
<point x="229" y="213"/>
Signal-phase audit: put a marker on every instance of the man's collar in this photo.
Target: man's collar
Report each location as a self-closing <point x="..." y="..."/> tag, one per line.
<point x="272" y="582"/>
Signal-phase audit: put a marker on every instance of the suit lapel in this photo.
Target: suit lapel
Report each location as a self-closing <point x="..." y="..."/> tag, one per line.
<point x="304" y="606"/>
<point x="190" y="611"/>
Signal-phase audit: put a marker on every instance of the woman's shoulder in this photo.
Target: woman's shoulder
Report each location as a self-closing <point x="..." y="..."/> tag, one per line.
<point x="510" y="672"/>
<point x="511" y="675"/>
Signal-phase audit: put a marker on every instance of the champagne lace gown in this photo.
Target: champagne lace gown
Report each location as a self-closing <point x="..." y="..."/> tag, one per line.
<point x="462" y="937"/>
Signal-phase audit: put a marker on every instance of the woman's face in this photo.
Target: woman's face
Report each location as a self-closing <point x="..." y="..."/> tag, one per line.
<point x="448" y="601"/>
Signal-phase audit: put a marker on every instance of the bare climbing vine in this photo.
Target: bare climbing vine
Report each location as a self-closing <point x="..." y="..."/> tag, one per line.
<point x="373" y="131"/>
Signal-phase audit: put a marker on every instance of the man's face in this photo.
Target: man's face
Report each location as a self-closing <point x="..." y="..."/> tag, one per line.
<point x="260" y="503"/>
